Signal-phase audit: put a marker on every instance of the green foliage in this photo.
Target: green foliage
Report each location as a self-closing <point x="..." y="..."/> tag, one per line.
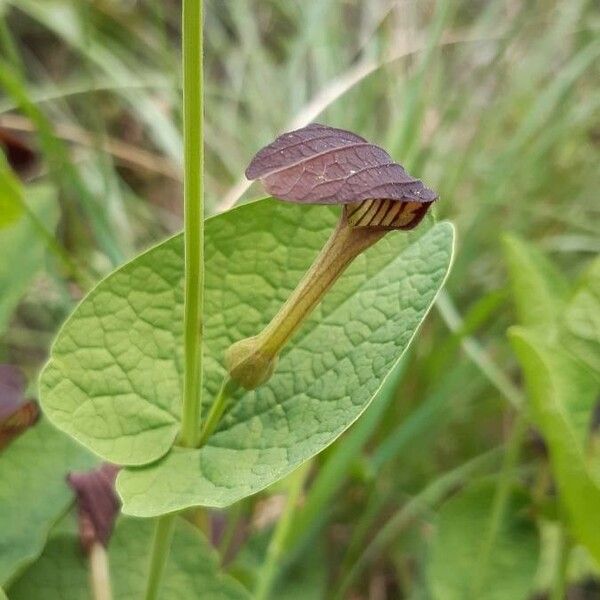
<point x="539" y="290"/>
<point x="11" y="203"/>
<point x="317" y="391"/>
<point x="581" y="323"/>
<point x="304" y="580"/>
<point x="22" y="244"/>
<point x="114" y="377"/>
<point x="67" y="21"/>
<point x="192" y="570"/>
<point x="307" y="581"/>
<point x="113" y="381"/>
<point x="562" y="396"/>
<point x="555" y="348"/>
<point x="494" y="104"/>
<point x="457" y="544"/>
<point x="34" y="493"/>
<point x="343" y="458"/>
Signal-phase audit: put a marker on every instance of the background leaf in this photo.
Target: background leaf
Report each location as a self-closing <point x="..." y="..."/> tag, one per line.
<point x="582" y="319"/>
<point x="562" y="391"/>
<point x="34" y="493"/>
<point x="457" y="543"/>
<point x="563" y="395"/>
<point x="192" y="569"/>
<point x="22" y="249"/>
<point x="540" y="291"/>
<point x="11" y="206"/>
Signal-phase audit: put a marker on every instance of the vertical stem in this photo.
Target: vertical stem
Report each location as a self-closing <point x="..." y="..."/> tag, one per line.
<point x="163" y="535"/>
<point x="193" y="116"/>
<point x="99" y="572"/>
<point x="193" y="121"/>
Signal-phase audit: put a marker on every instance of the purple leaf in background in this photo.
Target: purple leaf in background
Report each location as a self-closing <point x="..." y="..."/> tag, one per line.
<point x="16" y="413"/>
<point x="97" y="503"/>
<point x="19" y="153"/>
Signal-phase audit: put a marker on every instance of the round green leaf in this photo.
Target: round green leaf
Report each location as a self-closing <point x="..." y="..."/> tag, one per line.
<point x="325" y="380"/>
<point x="114" y="378"/>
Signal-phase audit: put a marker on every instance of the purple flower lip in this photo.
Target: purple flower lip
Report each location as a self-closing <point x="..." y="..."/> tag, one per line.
<point x="319" y="164"/>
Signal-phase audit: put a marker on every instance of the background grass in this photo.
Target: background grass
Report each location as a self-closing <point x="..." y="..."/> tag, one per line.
<point x="494" y="103"/>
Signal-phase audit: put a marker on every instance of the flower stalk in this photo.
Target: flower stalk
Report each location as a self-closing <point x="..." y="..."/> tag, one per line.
<point x="100" y="572"/>
<point x="217" y="409"/>
<point x="319" y="164"/>
<point x="97" y="508"/>
<point x="251" y="361"/>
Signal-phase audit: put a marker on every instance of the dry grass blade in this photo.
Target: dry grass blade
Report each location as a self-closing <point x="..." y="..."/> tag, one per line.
<point x="125" y="153"/>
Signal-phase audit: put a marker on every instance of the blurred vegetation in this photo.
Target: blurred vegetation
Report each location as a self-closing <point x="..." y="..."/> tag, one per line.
<point x="493" y="103"/>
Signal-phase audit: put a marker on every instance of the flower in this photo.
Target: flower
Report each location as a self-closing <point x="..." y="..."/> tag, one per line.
<point x="323" y="165"/>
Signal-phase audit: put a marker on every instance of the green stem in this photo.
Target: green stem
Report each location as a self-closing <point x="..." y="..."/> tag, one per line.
<point x="163" y="534"/>
<point x="251" y="361"/>
<point x="193" y="112"/>
<point x="217" y="409"/>
<point x="344" y="245"/>
<point x="276" y="548"/>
